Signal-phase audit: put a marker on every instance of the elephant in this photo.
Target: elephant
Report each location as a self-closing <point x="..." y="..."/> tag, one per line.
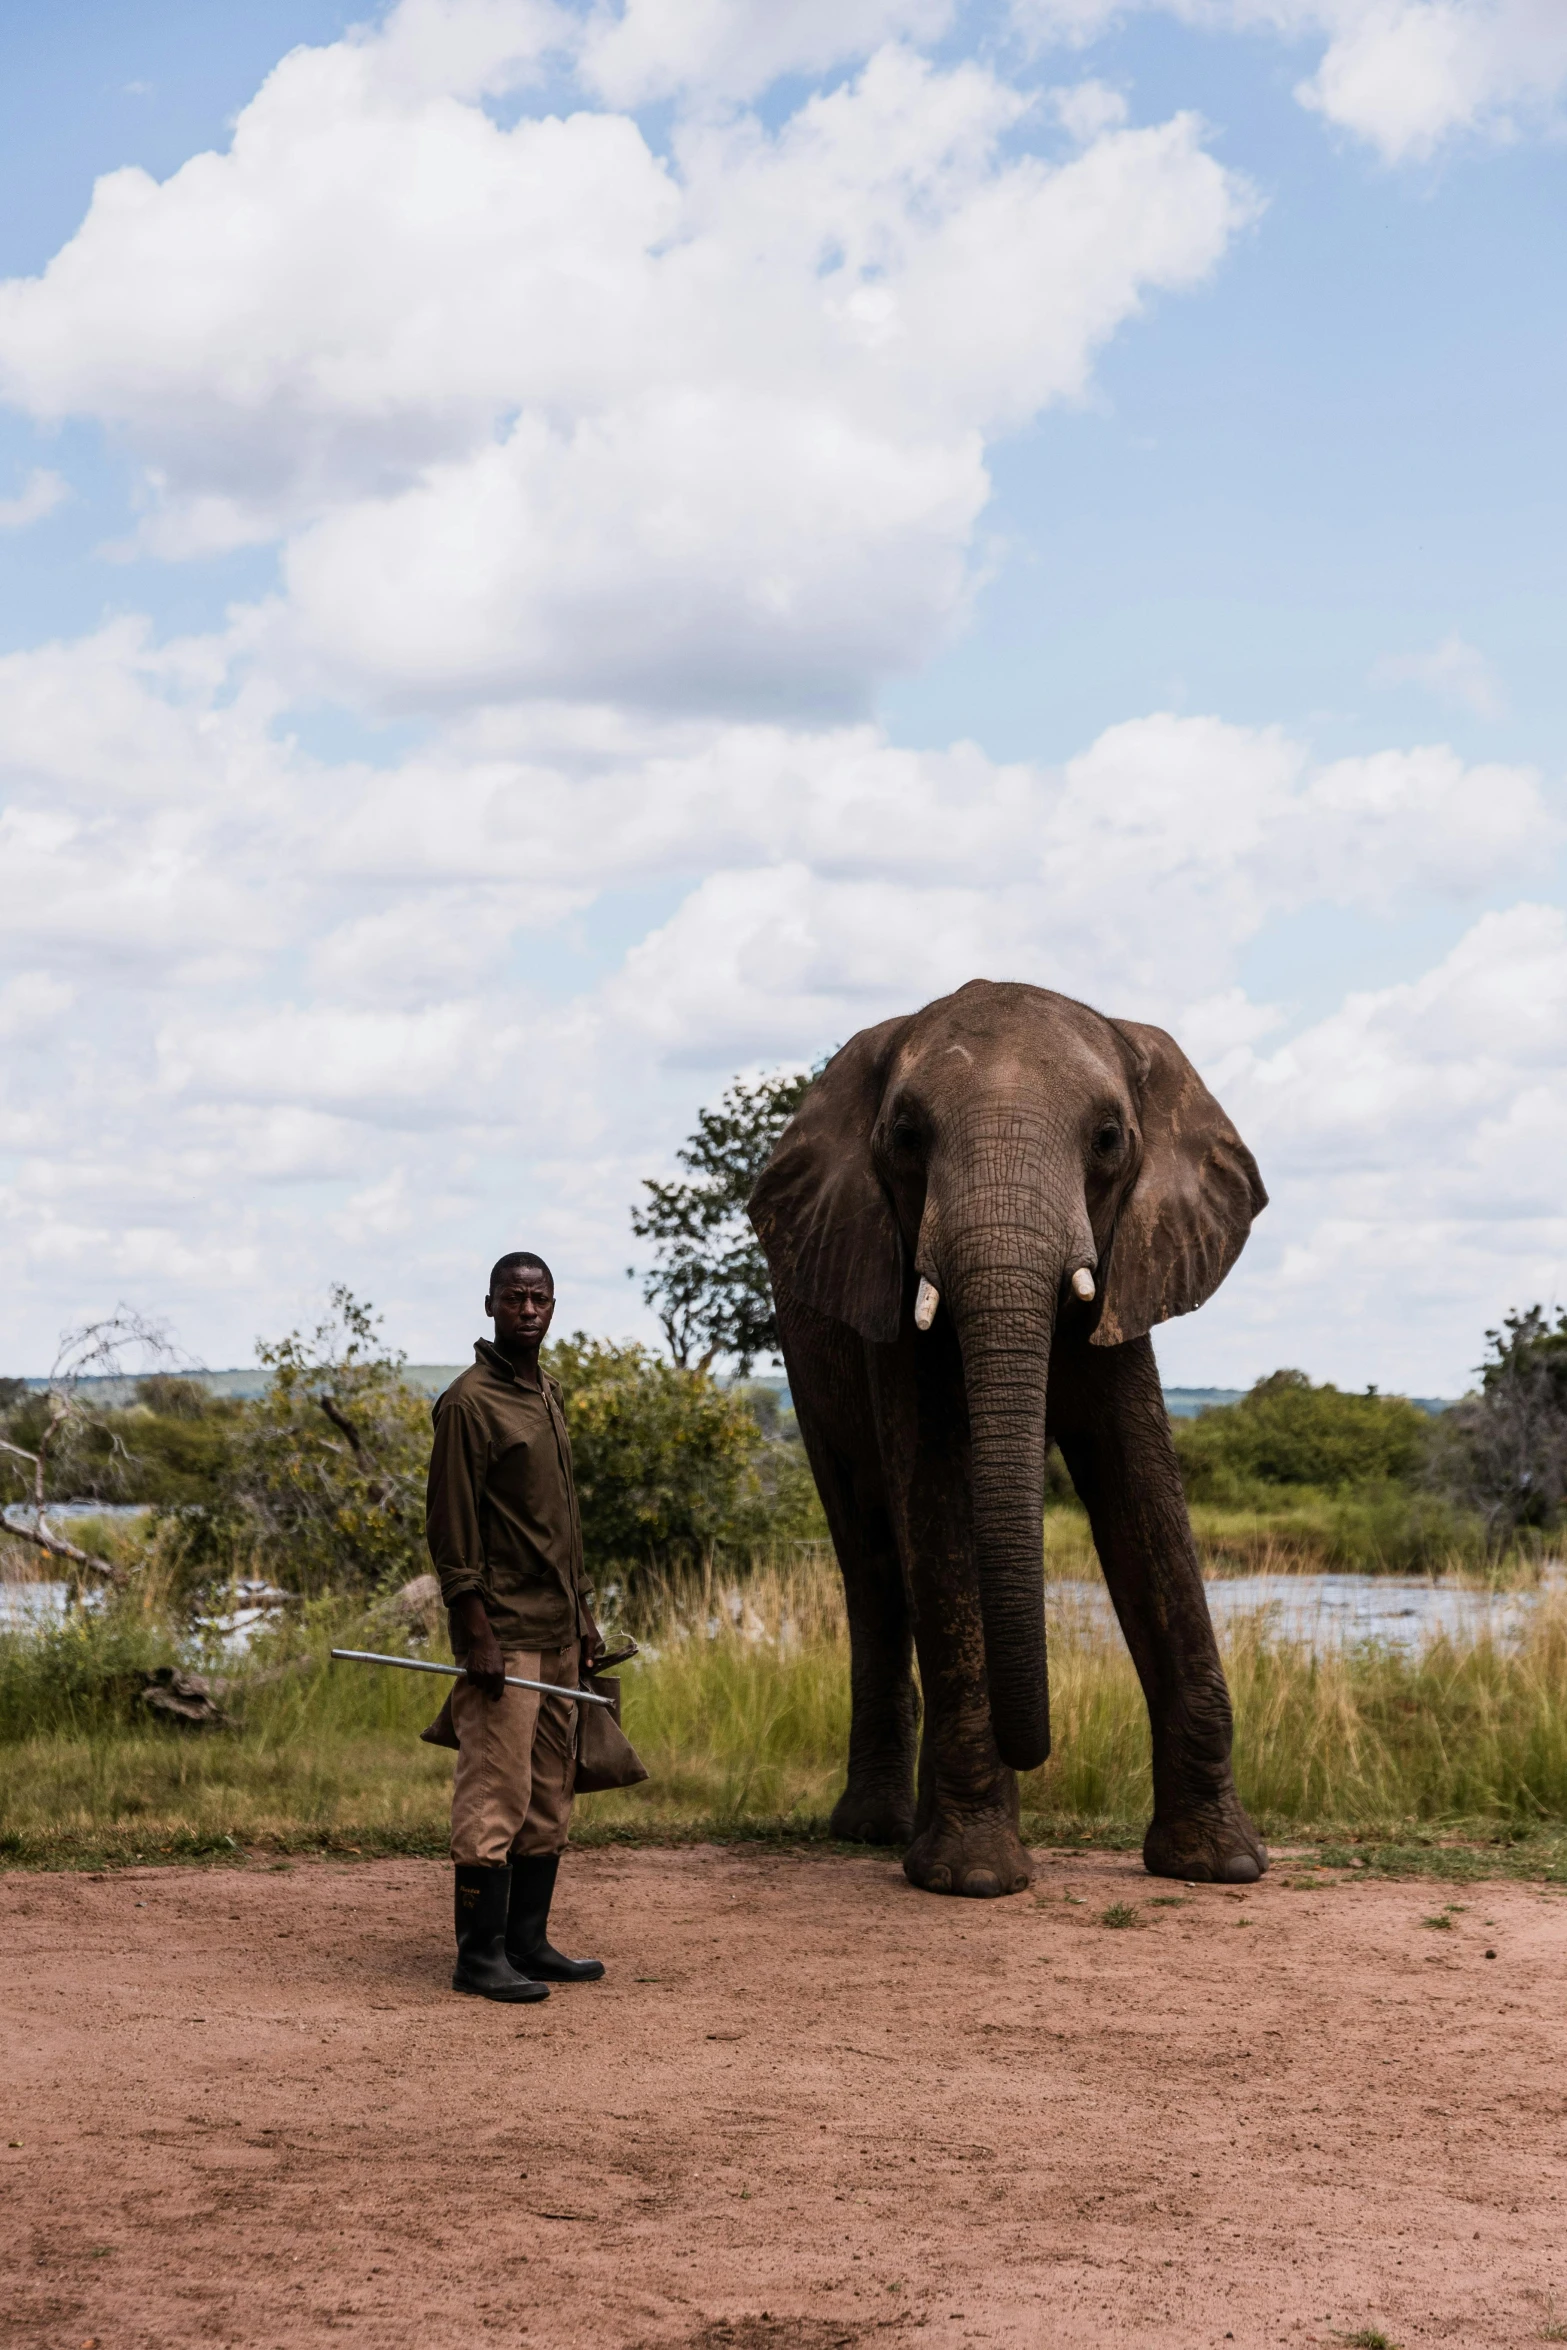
<point x="972" y="1222"/>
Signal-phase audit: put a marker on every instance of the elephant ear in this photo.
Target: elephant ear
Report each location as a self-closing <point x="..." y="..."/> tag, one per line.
<point x="823" y="1219"/>
<point x="1185" y="1220"/>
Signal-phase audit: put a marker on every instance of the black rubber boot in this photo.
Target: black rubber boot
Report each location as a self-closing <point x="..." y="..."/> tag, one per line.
<point x="482" y="1965"/>
<point x="527" y="1938"/>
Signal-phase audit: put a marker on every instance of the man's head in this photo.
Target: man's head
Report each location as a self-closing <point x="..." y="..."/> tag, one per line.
<point x="521" y="1299"/>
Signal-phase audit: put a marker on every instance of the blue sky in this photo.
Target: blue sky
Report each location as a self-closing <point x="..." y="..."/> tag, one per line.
<point x="437" y="754"/>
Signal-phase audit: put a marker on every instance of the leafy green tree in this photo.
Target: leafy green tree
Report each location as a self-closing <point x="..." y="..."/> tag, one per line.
<point x="1287" y="1432"/>
<point x="668" y="1462"/>
<point x="709" y="1285"/>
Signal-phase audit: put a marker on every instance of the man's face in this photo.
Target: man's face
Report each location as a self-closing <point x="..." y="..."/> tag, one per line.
<point x="520" y="1306"/>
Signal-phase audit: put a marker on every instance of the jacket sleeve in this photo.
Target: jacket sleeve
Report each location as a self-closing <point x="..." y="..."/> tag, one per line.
<point x="587" y="1629"/>
<point x="457" y="1461"/>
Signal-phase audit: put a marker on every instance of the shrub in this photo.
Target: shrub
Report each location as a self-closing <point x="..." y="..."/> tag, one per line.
<point x="668" y="1462"/>
<point x="1287" y="1432"/>
<point x="319" y="1483"/>
<point x="168" y="1447"/>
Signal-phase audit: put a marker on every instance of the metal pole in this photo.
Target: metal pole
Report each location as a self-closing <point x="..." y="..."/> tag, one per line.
<point x="417" y="1664"/>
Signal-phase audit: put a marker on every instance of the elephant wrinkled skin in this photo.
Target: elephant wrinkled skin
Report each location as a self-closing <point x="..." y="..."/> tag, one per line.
<point x="995" y="1145"/>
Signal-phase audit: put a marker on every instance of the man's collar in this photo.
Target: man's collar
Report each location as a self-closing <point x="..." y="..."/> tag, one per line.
<point x="486" y="1351"/>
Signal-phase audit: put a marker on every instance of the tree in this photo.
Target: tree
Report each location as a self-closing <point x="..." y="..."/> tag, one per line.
<point x="709" y="1285"/>
<point x="663" y="1457"/>
<point x="1504" y="1451"/>
<point x="326" y="1472"/>
<point x="64" y="1427"/>
<point x="1287" y="1432"/>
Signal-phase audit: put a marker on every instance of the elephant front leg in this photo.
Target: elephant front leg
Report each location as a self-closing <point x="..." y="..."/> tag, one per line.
<point x="1122" y="1459"/>
<point x="966" y="1836"/>
<point x="877" y="1804"/>
<point x="966" y="1825"/>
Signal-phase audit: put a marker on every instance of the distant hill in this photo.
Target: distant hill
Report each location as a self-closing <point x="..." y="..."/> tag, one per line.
<point x="430" y="1377"/>
<point x="1182" y="1403"/>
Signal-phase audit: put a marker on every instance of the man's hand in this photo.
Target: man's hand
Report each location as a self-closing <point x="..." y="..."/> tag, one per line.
<point x="590" y="1647"/>
<point x="486" y="1667"/>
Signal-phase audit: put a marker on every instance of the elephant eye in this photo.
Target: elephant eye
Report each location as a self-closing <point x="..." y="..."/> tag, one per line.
<point x="905" y="1134"/>
<point x="1107" y="1141"/>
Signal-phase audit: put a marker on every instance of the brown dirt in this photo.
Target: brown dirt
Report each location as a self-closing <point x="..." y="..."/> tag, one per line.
<point x="810" y="2108"/>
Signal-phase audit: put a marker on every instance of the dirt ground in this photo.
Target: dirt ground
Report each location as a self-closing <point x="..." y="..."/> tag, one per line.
<point x="809" y="2107"/>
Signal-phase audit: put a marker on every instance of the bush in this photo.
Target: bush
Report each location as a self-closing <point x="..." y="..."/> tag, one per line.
<point x="319" y="1484"/>
<point x="668" y="1462"/>
<point x="1287" y="1432"/>
<point x="81" y="1674"/>
<point x="316" y="1485"/>
<point x="167" y="1448"/>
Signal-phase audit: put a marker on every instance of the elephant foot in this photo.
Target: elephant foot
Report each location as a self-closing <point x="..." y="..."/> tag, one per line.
<point x="1215" y="1844"/>
<point x="873" y="1815"/>
<point x="976" y="1853"/>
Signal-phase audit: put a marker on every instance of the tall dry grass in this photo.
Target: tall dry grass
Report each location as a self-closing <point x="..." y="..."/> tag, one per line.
<point x="740" y="1706"/>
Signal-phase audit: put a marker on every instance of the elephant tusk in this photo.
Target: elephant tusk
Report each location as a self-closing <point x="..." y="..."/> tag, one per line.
<point x="1083" y="1285"/>
<point x="926" y="1299"/>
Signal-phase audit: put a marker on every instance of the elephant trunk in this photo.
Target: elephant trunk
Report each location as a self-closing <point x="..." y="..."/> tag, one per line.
<point x="1002" y="1281"/>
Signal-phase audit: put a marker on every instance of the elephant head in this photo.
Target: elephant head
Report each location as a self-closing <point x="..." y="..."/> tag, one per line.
<point x="1026" y="1158"/>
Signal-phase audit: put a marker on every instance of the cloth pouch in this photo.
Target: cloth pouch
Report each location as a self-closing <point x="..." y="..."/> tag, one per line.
<point x="441" y="1732"/>
<point x="605" y="1755"/>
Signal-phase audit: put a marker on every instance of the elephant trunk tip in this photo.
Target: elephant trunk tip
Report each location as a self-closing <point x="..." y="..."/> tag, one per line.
<point x="1025" y="1752"/>
<point x="1022" y="1727"/>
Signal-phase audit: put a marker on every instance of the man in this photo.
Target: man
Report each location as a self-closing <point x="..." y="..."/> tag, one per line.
<point x="507" y="1545"/>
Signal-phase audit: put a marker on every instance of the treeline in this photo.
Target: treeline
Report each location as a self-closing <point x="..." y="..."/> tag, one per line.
<point x="1382" y="1482"/>
<point x="318" y="1484"/>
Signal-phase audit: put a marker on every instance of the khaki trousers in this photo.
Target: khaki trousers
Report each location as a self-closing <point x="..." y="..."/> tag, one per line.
<point x="516" y="1764"/>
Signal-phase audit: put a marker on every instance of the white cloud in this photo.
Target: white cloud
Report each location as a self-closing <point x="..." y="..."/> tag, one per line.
<point x="1455" y="672"/>
<point x="1411" y="1142"/>
<point x="31" y="1005"/>
<point x="39" y="495"/>
<point x="1408" y="74"/>
<point x="1403" y="75"/>
<point x="251" y="990"/>
<point x="537" y="411"/>
<point x="636" y="469"/>
<point x="738" y="48"/>
<point x="1086" y="109"/>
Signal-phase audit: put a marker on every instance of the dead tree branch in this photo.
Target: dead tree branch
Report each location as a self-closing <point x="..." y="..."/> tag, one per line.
<point x="340" y="1420"/>
<point x="58" y="1547"/>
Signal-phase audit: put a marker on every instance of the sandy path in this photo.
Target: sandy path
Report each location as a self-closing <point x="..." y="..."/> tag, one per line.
<point x="252" y="2113"/>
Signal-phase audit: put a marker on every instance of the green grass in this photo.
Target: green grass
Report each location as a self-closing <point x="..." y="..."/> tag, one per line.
<point x="1298" y="1530"/>
<point x="1452" y="1765"/>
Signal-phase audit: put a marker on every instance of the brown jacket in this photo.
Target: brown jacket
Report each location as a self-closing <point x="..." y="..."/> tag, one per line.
<point x="502" y="1510"/>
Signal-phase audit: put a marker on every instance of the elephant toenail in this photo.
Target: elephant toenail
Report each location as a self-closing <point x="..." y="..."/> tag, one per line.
<point x="1241" y="1869"/>
<point x="939" y="1881"/>
<point x="981" y="1884"/>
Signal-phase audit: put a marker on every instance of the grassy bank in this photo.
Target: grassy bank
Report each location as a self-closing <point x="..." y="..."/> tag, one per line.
<point x="740" y="1708"/>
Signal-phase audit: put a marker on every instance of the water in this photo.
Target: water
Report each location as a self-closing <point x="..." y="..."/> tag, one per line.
<point x="65" y="1513"/>
<point x="1322" y="1612"/>
<point x="30" y="1607"/>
